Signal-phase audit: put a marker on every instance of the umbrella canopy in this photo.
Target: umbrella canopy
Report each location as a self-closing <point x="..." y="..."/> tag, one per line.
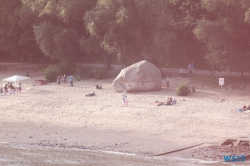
<point x="15" y="79"/>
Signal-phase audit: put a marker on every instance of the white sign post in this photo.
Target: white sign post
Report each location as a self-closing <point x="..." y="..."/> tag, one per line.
<point x="221" y="82"/>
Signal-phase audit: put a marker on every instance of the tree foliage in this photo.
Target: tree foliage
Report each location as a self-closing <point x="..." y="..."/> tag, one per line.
<point x="129" y="30"/>
<point x="132" y="29"/>
<point x="227" y="35"/>
<point x="59" y="27"/>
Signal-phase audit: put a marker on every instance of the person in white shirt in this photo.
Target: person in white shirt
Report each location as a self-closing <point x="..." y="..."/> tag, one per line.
<point x="167" y="81"/>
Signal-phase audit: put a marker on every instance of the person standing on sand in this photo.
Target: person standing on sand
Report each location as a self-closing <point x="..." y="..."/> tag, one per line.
<point x="124" y="99"/>
<point x="167" y="81"/>
<point x="58" y="80"/>
<point x="71" y="81"/>
<point x="5" y="89"/>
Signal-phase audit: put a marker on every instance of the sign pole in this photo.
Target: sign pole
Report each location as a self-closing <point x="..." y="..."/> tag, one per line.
<point x="221" y="82"/>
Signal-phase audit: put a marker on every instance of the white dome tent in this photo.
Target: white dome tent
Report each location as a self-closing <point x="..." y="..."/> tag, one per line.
<point x="15" y="79"/>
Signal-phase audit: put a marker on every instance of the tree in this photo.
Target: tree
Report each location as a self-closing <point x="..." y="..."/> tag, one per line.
<point x="227" y="35"/>
<point x="59" y="26"/>
<point x="16" y="30"/>
<point x="9" y="29"/>
<point x="186" y="46"/>
<point x="132" y="29"/>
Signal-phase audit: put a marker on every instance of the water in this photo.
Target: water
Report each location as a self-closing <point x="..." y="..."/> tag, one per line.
<point x="24" y="155"/>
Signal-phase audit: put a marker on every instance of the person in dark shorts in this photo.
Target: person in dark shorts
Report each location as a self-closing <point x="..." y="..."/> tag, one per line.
<point x="71" y="81"/>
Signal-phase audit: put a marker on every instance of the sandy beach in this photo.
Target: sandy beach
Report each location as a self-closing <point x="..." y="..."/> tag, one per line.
<point x="60" y="115"/>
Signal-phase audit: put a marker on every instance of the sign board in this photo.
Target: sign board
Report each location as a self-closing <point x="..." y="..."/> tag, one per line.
<point x="221" y="81"/>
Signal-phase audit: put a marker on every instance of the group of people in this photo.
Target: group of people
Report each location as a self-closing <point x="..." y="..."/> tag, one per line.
<point x="183" y="72"/>
<point x="170" y="101"/>
<point x="9" y="88"/>
<point x="245" y="108"/>
<point x="64" y="80"/>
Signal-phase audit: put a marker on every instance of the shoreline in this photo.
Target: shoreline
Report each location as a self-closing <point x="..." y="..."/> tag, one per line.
<point x="35" y="155"/>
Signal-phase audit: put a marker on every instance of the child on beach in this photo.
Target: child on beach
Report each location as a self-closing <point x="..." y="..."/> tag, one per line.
<point x="125" y="99"/>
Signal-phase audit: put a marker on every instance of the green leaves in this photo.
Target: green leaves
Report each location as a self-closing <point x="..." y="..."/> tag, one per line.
<point x="132" y="30"/>
<point x="226" y="35"/>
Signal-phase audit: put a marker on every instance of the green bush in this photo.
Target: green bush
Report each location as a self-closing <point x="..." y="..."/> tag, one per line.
<point x="182" y="90"/>
<point x="51" y="73"/>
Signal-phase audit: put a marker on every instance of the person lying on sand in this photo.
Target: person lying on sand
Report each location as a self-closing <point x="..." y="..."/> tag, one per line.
<point x="244" y="108"/>
<point x="90" y="94"/>
<point x="158" y="103"/>
<point x="98" y="86"/>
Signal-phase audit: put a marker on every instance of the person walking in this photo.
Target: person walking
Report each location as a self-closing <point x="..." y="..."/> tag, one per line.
<point x="167" y="81"/>
<point x="71" y="81"/>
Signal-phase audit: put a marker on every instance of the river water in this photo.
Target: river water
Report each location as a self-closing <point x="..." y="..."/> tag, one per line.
<point x="27" y="155"/>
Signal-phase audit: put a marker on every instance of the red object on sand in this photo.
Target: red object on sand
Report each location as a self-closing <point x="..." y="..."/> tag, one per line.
<point x="40" y="82"/>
